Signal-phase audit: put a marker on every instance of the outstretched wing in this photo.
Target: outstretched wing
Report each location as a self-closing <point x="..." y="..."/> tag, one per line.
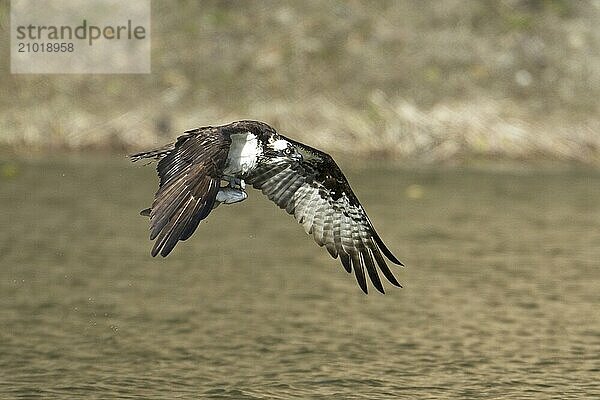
<point x="317" y="194"/>
<point x="190" y="176"/>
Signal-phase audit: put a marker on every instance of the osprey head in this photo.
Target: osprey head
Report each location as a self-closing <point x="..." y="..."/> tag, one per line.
<point x="273" y="144"/>
<point x="279" y="147"/>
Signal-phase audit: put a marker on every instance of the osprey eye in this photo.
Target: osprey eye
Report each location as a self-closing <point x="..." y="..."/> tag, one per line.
<point x="287" y="151"/>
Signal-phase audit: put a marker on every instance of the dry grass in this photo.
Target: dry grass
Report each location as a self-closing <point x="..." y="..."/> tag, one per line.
<point x="429" y="81"/>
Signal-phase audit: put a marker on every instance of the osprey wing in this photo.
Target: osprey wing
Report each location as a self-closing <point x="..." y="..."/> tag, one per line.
<point x="190" y="176"/>
<point x="317" y="194"/>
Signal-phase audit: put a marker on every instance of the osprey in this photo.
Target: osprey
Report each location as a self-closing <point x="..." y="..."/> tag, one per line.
<point x="209" y="166"/>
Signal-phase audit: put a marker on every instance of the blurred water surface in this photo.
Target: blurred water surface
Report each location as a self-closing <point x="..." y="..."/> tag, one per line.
<point x="501" y="296"/>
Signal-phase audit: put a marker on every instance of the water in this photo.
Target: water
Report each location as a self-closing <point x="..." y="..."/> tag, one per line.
<point x="501" y="296"/>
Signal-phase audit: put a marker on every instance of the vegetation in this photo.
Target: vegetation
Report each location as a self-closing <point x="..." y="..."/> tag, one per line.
<point x="421" y="80"/>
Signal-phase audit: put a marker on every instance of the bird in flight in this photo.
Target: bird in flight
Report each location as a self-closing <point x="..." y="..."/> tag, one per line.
<point x="209" y="166"/>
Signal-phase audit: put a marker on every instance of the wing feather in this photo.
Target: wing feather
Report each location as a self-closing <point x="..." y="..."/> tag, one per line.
<point x="384" y="267"/>
<point x="328" y="236"/>
<point x="285" y="197"/>
<point x="318" y="225"/>
<point x="359" y="271"/>
<point x="371" y="270"/>
<point x="337" y="232"/>
<point x="345" y="258"/>
<point x="284" y="191"/>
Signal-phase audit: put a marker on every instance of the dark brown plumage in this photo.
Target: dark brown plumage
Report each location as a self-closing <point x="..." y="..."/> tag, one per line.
<point x="190" y="174"/>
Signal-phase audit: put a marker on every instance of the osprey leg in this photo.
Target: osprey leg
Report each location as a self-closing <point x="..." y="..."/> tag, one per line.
<point x="235" y="183"/>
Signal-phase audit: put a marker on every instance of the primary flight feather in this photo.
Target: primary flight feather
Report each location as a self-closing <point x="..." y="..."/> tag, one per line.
<point x="304" y="181"/>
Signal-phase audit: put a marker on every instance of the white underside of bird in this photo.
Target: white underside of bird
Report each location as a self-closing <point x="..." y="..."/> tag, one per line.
<point x="242" y="158"/>
<point x="243" y="154"/>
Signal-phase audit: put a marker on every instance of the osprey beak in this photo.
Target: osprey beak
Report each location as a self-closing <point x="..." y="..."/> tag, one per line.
<point x="298" y="157"/>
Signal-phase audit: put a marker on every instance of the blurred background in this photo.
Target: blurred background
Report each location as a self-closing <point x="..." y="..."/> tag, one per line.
<point x="468" y="129"/>
<point x="423" y="80"/>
